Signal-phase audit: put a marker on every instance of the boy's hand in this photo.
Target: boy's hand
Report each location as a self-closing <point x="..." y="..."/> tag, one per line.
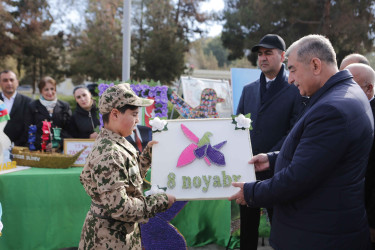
<point x="151" y="143"/>
<point x="171" y="200"/>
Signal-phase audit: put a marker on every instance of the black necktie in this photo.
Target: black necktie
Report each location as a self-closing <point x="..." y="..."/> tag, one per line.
<point x="268" y="84"/>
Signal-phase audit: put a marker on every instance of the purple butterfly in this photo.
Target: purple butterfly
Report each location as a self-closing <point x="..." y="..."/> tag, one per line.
<point x="201" y="148"/>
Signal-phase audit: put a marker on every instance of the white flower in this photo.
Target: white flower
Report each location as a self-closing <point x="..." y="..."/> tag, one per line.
<point x="154" y="190"/>
<point x="242" y="121"/>
<point x="1" y="226"/>
<point x="158" y="124"/>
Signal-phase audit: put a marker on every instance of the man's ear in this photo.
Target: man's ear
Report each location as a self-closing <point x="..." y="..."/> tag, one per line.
<point x="282" y="56"/>
<point x="369" y="89"/>
<point x="316" y="65"/>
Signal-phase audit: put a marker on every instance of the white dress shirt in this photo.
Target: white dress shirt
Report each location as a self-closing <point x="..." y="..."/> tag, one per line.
<point x="9" y="102"/>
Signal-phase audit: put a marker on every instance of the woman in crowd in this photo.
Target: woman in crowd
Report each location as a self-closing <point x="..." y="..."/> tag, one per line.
<point x="85" y="117"/>
<point x="49" y="108"/>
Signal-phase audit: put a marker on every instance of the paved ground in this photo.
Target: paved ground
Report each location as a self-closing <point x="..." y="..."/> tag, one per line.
<point x="216" y="247"/>
<point x="211" y="246"/>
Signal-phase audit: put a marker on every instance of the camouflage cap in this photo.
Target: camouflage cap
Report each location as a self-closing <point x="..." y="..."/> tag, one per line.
<point x="118" y="96"/>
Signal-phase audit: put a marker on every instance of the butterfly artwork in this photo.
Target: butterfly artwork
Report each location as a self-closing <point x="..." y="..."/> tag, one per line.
<point x="201" y="148"/>
<point x="159" y="234"/>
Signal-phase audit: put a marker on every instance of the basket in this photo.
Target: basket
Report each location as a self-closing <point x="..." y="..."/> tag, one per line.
<point x="24" y="157"/>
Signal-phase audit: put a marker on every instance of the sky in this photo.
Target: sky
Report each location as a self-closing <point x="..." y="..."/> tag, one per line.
<point x="74" y="16"/>
<point x="213" y="5"/>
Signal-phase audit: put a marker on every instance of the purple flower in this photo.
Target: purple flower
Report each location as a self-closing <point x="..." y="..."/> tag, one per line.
<point x="164" y="99"/>
<point x="159" y="93"/>
<point x="102" y="87"/>
<point x="152" y="92"/>
<point x="157" y="99"/>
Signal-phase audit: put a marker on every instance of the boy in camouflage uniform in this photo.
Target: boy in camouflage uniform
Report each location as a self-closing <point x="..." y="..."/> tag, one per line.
<point x="113" y="174"/>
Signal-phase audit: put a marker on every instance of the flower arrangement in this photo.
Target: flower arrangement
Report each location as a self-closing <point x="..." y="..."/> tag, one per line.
<point x="242" y="121"/>
<point x="144" y="89"/>
<point x="159" y="93"/>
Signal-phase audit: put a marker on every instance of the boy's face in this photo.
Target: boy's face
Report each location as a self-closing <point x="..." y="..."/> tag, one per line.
<point x="127" y="121"/>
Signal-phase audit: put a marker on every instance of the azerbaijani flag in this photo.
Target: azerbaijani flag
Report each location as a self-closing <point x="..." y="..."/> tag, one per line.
<point x="4" y="116"/>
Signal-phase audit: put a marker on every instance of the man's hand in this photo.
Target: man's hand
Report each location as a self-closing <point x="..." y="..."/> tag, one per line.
<point x="171" y="200"/>
<point x="372" y="234"/>
<point x="238" y="197"/>
<point x="260" y="162"/>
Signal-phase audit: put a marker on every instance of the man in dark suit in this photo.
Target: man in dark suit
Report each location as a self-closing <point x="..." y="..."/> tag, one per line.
<point x="17" y="106"/>
<point x="274" y="106"/>
<point x="318" y="187"/>
<point x="364" y="76"/>
<point x="144" y="135"/>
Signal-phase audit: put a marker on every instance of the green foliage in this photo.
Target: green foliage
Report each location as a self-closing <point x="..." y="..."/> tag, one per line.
<point x="175" y="113"/>
<point x="215" y="46"/>
<point x="69" y="99"/>
<point x="160" y="37"/>
<point x="209" y="53"/>
<point x="348" y="24"/>
<point x="97" y="51"/>
<point x="23" y="30"/>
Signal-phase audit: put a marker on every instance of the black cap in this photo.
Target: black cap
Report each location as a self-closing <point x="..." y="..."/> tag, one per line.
<point x="270" y="41"/>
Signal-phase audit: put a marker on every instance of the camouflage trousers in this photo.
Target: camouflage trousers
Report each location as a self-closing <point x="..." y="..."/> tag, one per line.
<point x="106" y="233"/>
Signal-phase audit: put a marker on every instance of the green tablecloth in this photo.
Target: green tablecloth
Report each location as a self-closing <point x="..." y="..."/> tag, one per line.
<point x="45" y="209"/>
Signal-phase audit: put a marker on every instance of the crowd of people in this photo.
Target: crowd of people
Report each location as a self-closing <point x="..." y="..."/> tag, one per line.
<point x="312" y="139"/>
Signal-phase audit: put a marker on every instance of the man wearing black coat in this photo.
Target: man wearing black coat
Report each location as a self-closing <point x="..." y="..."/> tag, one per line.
<point x="274" y="106"/>
<point x="364" y="76"/>
<point x="17" y="105"/>
<point x="317" y="190"/>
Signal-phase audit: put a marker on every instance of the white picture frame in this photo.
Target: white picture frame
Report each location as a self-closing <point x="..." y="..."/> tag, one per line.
<point x="72" y="146"/>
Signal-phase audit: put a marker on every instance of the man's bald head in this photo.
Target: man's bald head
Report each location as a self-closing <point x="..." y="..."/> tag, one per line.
<point x="353" y="58"/>
<point x="364" y="75"/>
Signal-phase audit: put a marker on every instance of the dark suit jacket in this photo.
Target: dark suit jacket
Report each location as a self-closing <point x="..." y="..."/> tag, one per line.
<point x="272" y="115"/>
<point x="318" y="187"/>
<point x="16" y="128"/>
<point x="60" y="118"/>
<point x="146" y="136"/>
<point x="370" y="180"/>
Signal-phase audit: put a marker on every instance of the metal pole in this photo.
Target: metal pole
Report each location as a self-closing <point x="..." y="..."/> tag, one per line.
<point x="126" y="41"/>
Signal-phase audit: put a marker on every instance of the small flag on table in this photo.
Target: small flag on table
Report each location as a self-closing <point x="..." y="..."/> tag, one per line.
<point x="4" y="116"/>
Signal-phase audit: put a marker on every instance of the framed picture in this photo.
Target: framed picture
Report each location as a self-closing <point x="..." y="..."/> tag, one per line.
<point x="193" y="87"/>
<point x="198" y="159"/>
<point x="72" y="146"/>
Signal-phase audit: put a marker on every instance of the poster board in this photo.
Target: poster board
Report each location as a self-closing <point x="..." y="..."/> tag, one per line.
<point x="240" y="77"/>
<point x="72" y="146"/>
<point x="193" y="87"/>
<point x="197" y="180"/>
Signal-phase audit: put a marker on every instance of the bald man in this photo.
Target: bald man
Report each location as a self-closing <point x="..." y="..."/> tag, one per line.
<point x="353" y="58"/>
<point x="364" y="75"/>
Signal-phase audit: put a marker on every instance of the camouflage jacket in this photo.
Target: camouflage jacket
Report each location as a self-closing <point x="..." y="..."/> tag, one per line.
<point x="113" y="177"/>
